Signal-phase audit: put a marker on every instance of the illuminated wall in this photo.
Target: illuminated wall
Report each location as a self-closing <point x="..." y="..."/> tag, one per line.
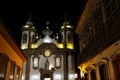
<point x="9" y="49"/>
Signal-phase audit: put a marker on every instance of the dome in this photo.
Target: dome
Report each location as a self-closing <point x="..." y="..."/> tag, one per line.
<point x="66" y="25"/>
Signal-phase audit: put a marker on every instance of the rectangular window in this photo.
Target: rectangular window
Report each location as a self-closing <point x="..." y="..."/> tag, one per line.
<point x="35" y="61"/>
<point x="58" y="61"/>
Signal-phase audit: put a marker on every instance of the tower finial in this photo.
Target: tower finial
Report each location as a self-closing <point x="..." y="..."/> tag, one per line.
<point x="29" y="22"/>
<point x="30" y="16"/>
<point x="47" y="23"/>
<point x="66" y="22"/>
<point x="65" y="17"/>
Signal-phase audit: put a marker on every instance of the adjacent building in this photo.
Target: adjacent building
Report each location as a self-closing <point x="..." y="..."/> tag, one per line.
<point x="11" y="57"/>
<point x="99" y="40"/>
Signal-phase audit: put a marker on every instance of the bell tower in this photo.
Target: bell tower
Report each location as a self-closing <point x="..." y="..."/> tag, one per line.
<point x="67" y="34"/>
<point x="28" y="34"/>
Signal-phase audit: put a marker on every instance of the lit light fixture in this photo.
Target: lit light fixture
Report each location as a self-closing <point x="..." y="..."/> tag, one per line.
<point x="26" y="26"/>
<point x="76" y="75"/>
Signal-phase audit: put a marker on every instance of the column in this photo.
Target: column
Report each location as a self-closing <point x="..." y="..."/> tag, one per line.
<point x="97" y="73"/>
<point x="65" y="67"/>
<point x="89" y="75"/>
<point x="111" y="71"/>
<point x="8" y="70"/>
<point x="72" y="63"/>
<point x="27" y="73"/>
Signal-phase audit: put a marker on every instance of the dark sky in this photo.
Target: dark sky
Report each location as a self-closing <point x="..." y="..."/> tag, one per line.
<point x="15" y="14"/>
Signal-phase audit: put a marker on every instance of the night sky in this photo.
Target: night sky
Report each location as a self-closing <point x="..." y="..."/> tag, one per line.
<point x="14" y="15"/>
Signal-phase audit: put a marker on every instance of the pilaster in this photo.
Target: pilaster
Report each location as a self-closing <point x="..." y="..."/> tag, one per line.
<point x="111" y="70"/>
<point x="65" y="66"/>
<point x="28" y="67"/>
<point x="97" y="73"/>
<point x="89" y="76"/>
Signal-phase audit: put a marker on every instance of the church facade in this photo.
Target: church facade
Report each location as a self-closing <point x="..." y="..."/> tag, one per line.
<point x="48" y="58"/>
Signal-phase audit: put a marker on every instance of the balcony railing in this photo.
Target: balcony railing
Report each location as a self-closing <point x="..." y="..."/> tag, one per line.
<point x="110" y="34"/>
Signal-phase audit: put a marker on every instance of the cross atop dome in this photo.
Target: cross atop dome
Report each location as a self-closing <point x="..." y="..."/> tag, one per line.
<point x="29" y="16"/>
<point x="65" y="17"/>
<point x="47" y="23"/>
<point x="47" y="31"/>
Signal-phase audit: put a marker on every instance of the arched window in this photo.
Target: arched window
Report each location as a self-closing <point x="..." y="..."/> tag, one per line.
<point x="93" y="74"/>
<point x="62" y="37"/>
<point x="24" y="38"/>
<point x="3" y="66"/>
<point x="33" y="38"/>
<point x="70" y="37"/>
<point x="103" y="72"/>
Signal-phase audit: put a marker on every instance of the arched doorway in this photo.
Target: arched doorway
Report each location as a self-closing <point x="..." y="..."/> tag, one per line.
<point x="3" y="66"/>
<point x="93" y="74"/>
<point x="46" y="74"/>
<point x="103" y="72"/>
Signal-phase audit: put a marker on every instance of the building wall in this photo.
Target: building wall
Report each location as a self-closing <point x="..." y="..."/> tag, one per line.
<point x="9" y="49"/>
<point x="105" y="57"/>
<point x="99" y="39"/>
<point x="35" y="73"/>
